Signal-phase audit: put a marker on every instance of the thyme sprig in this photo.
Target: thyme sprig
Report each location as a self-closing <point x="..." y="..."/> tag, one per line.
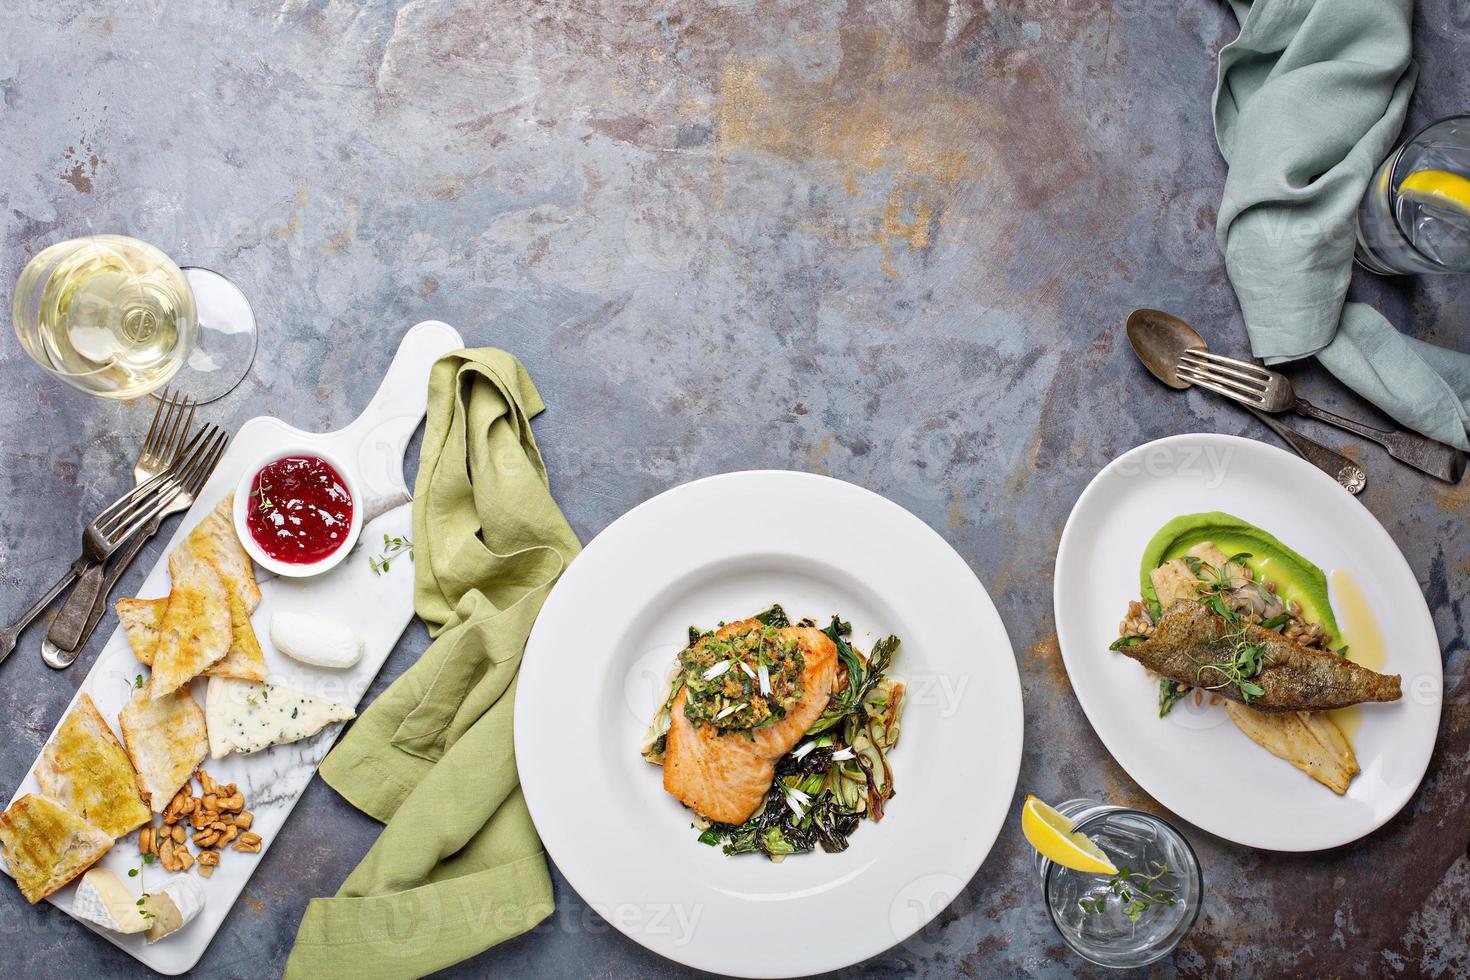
<point x="137" y="872"/>
<point x="393" y="546"/>
<point x="260" y="492"/>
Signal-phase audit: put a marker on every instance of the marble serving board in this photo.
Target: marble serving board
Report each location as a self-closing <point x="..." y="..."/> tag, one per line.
<point x="378" y="606"/>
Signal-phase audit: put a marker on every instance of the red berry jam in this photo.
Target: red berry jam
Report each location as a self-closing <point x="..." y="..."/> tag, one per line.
<point x="299" y="509"/>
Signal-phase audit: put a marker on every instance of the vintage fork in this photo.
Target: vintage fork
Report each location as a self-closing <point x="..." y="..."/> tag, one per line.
<point x="121" y="519"/>
<point x="1271" y="391"/>
<point x="172" y="421"/>
<point x="197" y="461"/>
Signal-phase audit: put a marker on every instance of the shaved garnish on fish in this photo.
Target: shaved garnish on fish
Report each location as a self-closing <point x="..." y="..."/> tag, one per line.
<point x="1244" y="662"/>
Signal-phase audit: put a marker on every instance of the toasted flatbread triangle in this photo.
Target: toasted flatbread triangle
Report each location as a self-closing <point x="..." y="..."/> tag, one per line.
<point x="85" y="769"/>
<point x="215" y="541"/>
<point x="195" y="632"/>
<point x="46" y="845"/>
<point x="166" y="739"/>
<point x="141" y="619"/>
<point x="245" y="661"/>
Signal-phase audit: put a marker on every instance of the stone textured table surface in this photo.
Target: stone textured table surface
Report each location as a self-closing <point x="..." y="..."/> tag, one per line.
<point x="891" y="242"/>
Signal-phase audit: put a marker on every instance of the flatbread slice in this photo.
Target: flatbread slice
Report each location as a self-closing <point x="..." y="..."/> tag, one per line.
<point x="196" y="632"/>
<point x="47" y="845"/>
<point x="86" y="769"/>
<point x="166" y="739"/>
<point x="215" y="541"/>
<point x="141" y="619"/>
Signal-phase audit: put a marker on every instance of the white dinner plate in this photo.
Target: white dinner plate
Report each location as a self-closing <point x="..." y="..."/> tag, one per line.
<point x="721" y="549"/>
<point x="1195" y="761"/>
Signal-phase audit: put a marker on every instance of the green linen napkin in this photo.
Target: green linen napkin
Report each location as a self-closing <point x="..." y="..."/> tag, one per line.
<point x="458" y="867"/>
<point x="1310" y="99"/>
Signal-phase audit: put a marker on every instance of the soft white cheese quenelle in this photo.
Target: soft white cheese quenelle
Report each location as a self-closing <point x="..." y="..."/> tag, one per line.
<point x="315" y="640"/>
<point x="247" y="716"/>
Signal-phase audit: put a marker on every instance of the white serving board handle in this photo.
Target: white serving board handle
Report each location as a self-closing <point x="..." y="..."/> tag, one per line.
<point x="381" y="433"/>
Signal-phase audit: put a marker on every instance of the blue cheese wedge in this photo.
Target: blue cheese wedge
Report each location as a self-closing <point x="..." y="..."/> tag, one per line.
<point x="247" y="716"/>
<point x="102" y="898"/>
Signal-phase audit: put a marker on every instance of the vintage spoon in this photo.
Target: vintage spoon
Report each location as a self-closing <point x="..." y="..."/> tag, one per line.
<point x="1159" y="338"/>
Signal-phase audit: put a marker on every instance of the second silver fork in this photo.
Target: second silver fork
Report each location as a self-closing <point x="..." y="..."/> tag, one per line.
<point x="1271" y="391"/>
<point x="193" y="466"/>
<point x="172" y="422"/>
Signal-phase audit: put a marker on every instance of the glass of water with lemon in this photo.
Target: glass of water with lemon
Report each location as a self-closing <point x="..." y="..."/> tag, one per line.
<point x="1122" y="886"/>
<point x="1416" y="215"/>
<point x="117" y="318"/>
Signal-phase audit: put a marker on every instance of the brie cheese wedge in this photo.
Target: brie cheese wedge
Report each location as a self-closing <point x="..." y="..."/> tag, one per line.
<point x="247" y="716"/>
<point x="172" y="907"/>
<point x="316" y="641"/>
<point x="102" y="898"/>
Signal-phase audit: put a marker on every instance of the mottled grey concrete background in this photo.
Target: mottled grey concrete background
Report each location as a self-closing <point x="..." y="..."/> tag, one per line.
<point x="893" y="242"/>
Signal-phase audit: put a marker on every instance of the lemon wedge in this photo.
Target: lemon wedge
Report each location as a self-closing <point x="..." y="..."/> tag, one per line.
<point x="1438" y="188"/>
<point x="1052" y="835"/>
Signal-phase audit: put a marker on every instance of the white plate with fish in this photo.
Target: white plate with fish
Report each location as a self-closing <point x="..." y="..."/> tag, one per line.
<point x="1258" y="587"/>
<point x="617" y="628"/>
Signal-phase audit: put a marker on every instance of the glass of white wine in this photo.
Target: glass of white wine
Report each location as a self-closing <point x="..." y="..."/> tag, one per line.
<point x="117" y="318"/>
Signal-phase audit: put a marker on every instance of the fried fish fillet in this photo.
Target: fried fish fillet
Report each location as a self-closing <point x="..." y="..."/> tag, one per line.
<point x="47" y="845"/>
<point x="725" y="777"/>
<point x="166" y="739"/>
<point x="1191" y="643"/>
<point x="141" y="619"/>
<point x="1307" y="739"/>
<point x="85" y="769"/>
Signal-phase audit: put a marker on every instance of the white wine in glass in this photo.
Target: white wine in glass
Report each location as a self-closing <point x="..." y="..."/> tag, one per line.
<point x="112" y="316"/>
<point x="117" y="318"/>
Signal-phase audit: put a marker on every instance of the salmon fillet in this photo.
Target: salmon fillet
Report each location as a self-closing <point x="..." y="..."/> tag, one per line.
<point x="724" y="777"/>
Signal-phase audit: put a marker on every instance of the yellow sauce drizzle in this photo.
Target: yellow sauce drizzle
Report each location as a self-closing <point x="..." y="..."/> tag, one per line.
<point x="1359" y="629"/>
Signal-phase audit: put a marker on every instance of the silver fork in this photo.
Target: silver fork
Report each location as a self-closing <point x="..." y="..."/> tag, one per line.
<point x="196" y="462"/>
<point x="121" y="519"/>
<point x="1271" y="391"/>
<point x="172" y="421"/>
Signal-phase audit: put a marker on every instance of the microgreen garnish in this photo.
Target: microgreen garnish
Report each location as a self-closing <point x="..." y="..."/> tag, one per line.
<point x="1135" y="889"/>
<point x="1216" y="585"/>
<point x="393" y="546"/>
<point x="1246" y="662"/>
<point x="138" y="683"/>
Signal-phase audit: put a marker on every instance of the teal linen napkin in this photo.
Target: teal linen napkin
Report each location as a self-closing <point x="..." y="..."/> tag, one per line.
<point x="1310" y="99"/>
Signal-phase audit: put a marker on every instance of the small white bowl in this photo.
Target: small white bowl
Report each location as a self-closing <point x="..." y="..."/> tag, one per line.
<point x="289" y="569"/>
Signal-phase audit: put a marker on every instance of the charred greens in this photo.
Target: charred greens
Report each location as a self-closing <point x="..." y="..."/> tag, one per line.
<point x="835" y="776"/>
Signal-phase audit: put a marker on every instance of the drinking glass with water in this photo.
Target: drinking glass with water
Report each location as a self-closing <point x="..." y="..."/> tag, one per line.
<point x="1134" y="917"/>
<point x="1416" y="215"/>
